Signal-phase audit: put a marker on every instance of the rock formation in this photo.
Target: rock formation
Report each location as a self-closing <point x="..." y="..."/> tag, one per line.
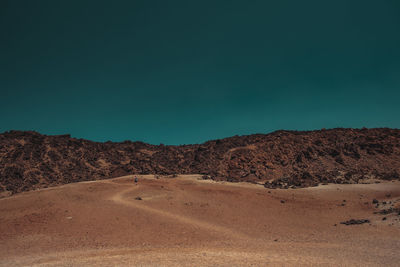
<point x="282" y="159"/>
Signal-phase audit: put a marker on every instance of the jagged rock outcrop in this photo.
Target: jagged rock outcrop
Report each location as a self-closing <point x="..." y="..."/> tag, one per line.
<point x="283" y="159"/>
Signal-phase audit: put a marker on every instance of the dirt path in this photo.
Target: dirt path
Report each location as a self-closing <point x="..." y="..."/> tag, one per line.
<point x="119" y="198"/>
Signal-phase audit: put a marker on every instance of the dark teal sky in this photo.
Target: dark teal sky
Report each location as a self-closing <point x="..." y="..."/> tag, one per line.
<point x="179" y="72"/>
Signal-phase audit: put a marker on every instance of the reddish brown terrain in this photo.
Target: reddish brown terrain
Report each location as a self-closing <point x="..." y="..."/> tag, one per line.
<point x="188" y="221"/>
<point x="317" y="198"/>
<point x="282" y="159"/>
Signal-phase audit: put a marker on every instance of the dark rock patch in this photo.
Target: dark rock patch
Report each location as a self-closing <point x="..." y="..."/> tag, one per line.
<point x="389" y="211"/>
<point x="353" y="222"/>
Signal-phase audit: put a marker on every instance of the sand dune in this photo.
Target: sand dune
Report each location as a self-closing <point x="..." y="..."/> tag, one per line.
<point x="189" y="221"/>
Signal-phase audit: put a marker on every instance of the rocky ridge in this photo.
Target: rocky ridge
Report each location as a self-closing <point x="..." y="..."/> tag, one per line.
<point x="282" y="159"/>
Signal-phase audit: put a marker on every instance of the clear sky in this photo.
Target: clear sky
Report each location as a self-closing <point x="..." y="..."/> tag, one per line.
<point x="177" y="72"/>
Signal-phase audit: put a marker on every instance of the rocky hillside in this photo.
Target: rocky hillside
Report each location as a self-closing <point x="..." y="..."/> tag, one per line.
<point x="29" y="160"/>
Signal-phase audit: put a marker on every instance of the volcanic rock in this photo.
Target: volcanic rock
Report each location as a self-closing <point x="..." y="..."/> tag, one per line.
<point x="353" y="221"/>
<point x="282" y="159"/>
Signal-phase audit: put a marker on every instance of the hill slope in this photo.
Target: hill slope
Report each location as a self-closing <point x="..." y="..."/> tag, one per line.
<point x="29" y="160"/>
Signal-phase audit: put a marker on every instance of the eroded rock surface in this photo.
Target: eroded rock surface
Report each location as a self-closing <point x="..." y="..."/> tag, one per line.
<point x="282" y="159"/>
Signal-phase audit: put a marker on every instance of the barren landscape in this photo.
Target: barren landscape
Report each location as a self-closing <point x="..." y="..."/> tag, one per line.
<point x="186" y="220"/>
<point x="282" y="159"/>
<point x="328" y="197"/>
<point x="200" y="133"/>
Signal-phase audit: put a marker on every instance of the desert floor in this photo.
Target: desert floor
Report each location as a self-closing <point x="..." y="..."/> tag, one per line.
<point x="188" y="221"/>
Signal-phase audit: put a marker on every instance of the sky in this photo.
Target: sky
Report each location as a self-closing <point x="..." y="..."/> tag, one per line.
<point x="181" y="72"/>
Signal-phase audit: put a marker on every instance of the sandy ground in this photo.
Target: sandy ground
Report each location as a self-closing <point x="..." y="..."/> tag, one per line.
<point x="187" y="221"/>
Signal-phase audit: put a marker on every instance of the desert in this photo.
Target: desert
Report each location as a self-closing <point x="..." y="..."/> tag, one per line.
<point x="199" y="133"/>
<point x="289" y="198"/>
<point x="185" y="220"/>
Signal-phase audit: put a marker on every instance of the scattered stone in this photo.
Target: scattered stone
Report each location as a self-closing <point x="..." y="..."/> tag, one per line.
<point x="375" y="201"/>
<point x="282" y="201"/>
<point x="353" y="221"/>
<point x="384" y="219"/>
<point x="389" y="210"/>
<point x="138" y="198"/>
